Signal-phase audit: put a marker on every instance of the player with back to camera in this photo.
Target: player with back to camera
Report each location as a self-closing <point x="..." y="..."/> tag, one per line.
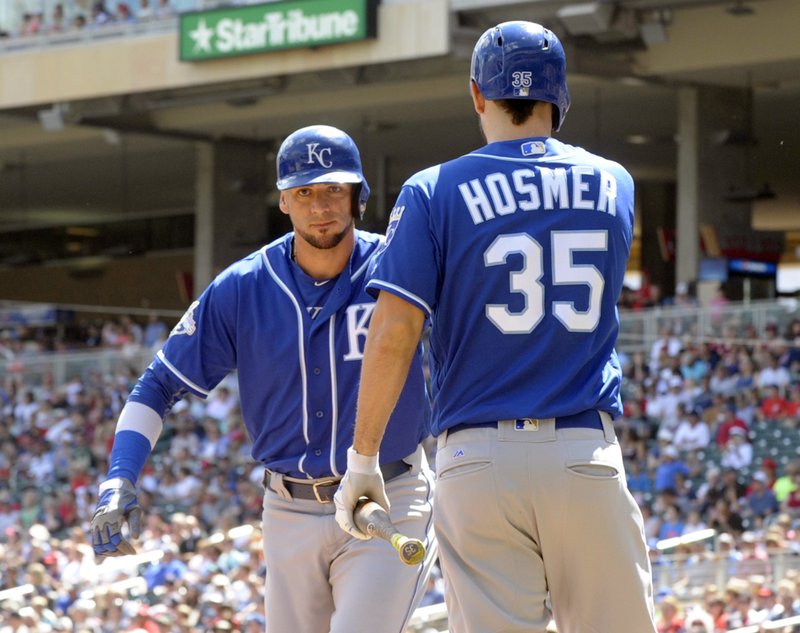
<point x="292" y="318"/>
<point x="516" y="251"/>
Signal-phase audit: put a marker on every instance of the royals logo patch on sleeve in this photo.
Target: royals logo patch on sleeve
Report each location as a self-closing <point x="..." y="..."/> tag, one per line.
<point x="394" y="220"/>
<point x="187" y="324"/>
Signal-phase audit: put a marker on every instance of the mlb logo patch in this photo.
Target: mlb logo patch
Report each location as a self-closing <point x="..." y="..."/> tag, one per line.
<point x="459" y="453"/>
<point x="526" y="424"/>
<point x="533" y="148"/>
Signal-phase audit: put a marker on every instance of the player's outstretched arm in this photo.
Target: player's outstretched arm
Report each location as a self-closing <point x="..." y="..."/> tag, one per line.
<point x="138" y="429"/>
<point x="392" y="340"/>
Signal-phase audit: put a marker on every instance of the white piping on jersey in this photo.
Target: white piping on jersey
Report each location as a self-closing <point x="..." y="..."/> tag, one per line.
<point x="358" y="273"/>
<point x="403" y="293"/>
<point x="141" y="419"/>
<point x="300" y="348"/>
<point x="180" y="376"/>
<point x="334" y="400"/>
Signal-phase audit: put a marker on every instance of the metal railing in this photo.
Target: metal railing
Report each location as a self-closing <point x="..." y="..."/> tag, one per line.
<point x="640" y="329"/>
<point x="63" y="367"/>
<point x="685" y="576"/>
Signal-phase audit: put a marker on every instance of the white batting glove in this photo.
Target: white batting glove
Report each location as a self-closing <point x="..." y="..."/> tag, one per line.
<point x="117" y="505"/>
<point x="362" y="479"/>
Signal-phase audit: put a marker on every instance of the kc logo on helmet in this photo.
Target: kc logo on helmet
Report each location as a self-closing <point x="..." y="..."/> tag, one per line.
<point x="318" y="155"/>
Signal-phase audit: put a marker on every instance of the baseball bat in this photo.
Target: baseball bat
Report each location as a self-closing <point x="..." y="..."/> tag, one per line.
<point x="372" y="519"/>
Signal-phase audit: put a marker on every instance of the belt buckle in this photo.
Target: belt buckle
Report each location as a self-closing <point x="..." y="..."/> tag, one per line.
<point x="323" y="482"/>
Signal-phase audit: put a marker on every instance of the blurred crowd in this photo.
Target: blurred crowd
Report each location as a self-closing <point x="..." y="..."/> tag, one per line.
<point x="709" y="433"/>
<point x="49" y="17"/>
<point x="75" y="15"/>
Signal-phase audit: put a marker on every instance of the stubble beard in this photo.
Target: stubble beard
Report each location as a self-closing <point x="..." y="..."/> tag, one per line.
<point x="326" y="242"/>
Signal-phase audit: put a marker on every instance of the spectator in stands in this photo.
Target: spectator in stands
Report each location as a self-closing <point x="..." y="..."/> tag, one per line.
<point x="100" y="15"/>
<point x="667" y="346"/>
<point x="124" y="14"/>
<point x="698" y="621"/>
<point x="774" y="406"/>
<point x="170" y="568"/>
<point x="740" y="607"/>
<point x="693" y="366"/>
<point x="730" y="420"/>
<point x="724" y="516"/>
<point x="665" y="406"/>
<point x="715" y="605"/>
<point x="785" y="607"/>
<point x="145" y="11"/>
<point x="738" y="452"/>
<point x="717" y="305"/>
<point x="787" y="483"/>
<point x="57" y="21"/>
<point x="638" y="481"/>
<point x="670" y="465"/>
<point x="692" y="433"/>
<point x="723" y="381"/>
<point x="754" y="560"/>
<point x="694" y="522"/>
<point x="164" y="9"/>
<point x="791" y="503"/>
<point x="760" y="501"/>
<point x="792" y="409"/>
<point x="156" y="331"/>
<point x="31" y="23"/>
<point x="672" y="524"/>
<point x="670" y="612"/>
<point x="773" y="374"/>
<point x="220" y="404"/>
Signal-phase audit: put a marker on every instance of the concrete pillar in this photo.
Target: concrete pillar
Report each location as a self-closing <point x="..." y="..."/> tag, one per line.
<point x="231" y="218"/>
<point x="203" y="218"/>
<point x="716" y="184"/>
<point x="687" y="234"/>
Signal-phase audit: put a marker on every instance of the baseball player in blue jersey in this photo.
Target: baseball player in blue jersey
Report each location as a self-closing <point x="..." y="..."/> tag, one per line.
<point x="292" y="319"/>
<point x="516" y="252"/>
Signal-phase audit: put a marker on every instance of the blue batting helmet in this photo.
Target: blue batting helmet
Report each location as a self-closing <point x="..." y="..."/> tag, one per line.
<point x="522" y="60"/>
<point x="321" y="154"/>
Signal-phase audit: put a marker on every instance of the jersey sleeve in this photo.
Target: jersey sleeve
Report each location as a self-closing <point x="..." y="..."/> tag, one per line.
<point x="201" y="350"/>
<point x="407" y="264"/>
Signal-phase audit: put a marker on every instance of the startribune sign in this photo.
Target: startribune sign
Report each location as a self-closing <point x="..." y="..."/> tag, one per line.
<point x="275" y="26"/>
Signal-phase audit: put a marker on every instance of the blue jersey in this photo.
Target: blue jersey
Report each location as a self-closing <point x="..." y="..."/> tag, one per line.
<point x="297" y="345"/>
<point x="517" y="252"/>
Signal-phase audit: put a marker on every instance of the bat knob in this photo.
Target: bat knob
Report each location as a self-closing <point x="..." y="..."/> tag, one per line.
<point x="411" y="550"/>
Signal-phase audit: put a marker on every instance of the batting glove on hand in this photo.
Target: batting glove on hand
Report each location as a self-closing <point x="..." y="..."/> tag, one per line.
<point x="116" y="505"/>
<point x="362" y="479"/>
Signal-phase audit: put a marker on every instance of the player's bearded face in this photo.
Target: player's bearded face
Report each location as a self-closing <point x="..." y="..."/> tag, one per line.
<point x="322" y="214"/>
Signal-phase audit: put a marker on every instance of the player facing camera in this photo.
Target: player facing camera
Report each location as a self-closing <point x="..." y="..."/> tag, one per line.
<point x="301" y="297"/>
<point x="322" y="155"/>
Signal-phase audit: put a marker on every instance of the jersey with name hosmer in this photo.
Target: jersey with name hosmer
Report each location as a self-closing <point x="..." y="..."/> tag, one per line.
<point x="298" y="369"/>
<point x="517" y="251"/>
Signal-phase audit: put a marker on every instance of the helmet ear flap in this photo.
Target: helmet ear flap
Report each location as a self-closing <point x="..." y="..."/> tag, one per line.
<point x="358" y="207"/>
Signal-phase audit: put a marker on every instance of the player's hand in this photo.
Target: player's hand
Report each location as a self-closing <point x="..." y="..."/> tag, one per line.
<point x="362" y="479"/>
<point x="117" y="504"/>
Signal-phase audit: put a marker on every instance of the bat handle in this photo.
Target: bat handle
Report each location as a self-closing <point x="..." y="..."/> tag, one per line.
<point x="372" y="519"/>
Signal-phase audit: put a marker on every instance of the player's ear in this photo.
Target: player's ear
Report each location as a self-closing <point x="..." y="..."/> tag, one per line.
<point x="478" y="102"/>
<point x="282" y="203"/>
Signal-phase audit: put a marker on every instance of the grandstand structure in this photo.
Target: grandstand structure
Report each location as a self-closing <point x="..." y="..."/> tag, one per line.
<point x="136" y="160"/>
<point x="129" y="154"/>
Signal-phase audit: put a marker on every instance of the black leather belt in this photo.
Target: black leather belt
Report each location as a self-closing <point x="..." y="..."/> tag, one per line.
<point x="585" y="420"/>
<point x="323" y="489"/>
